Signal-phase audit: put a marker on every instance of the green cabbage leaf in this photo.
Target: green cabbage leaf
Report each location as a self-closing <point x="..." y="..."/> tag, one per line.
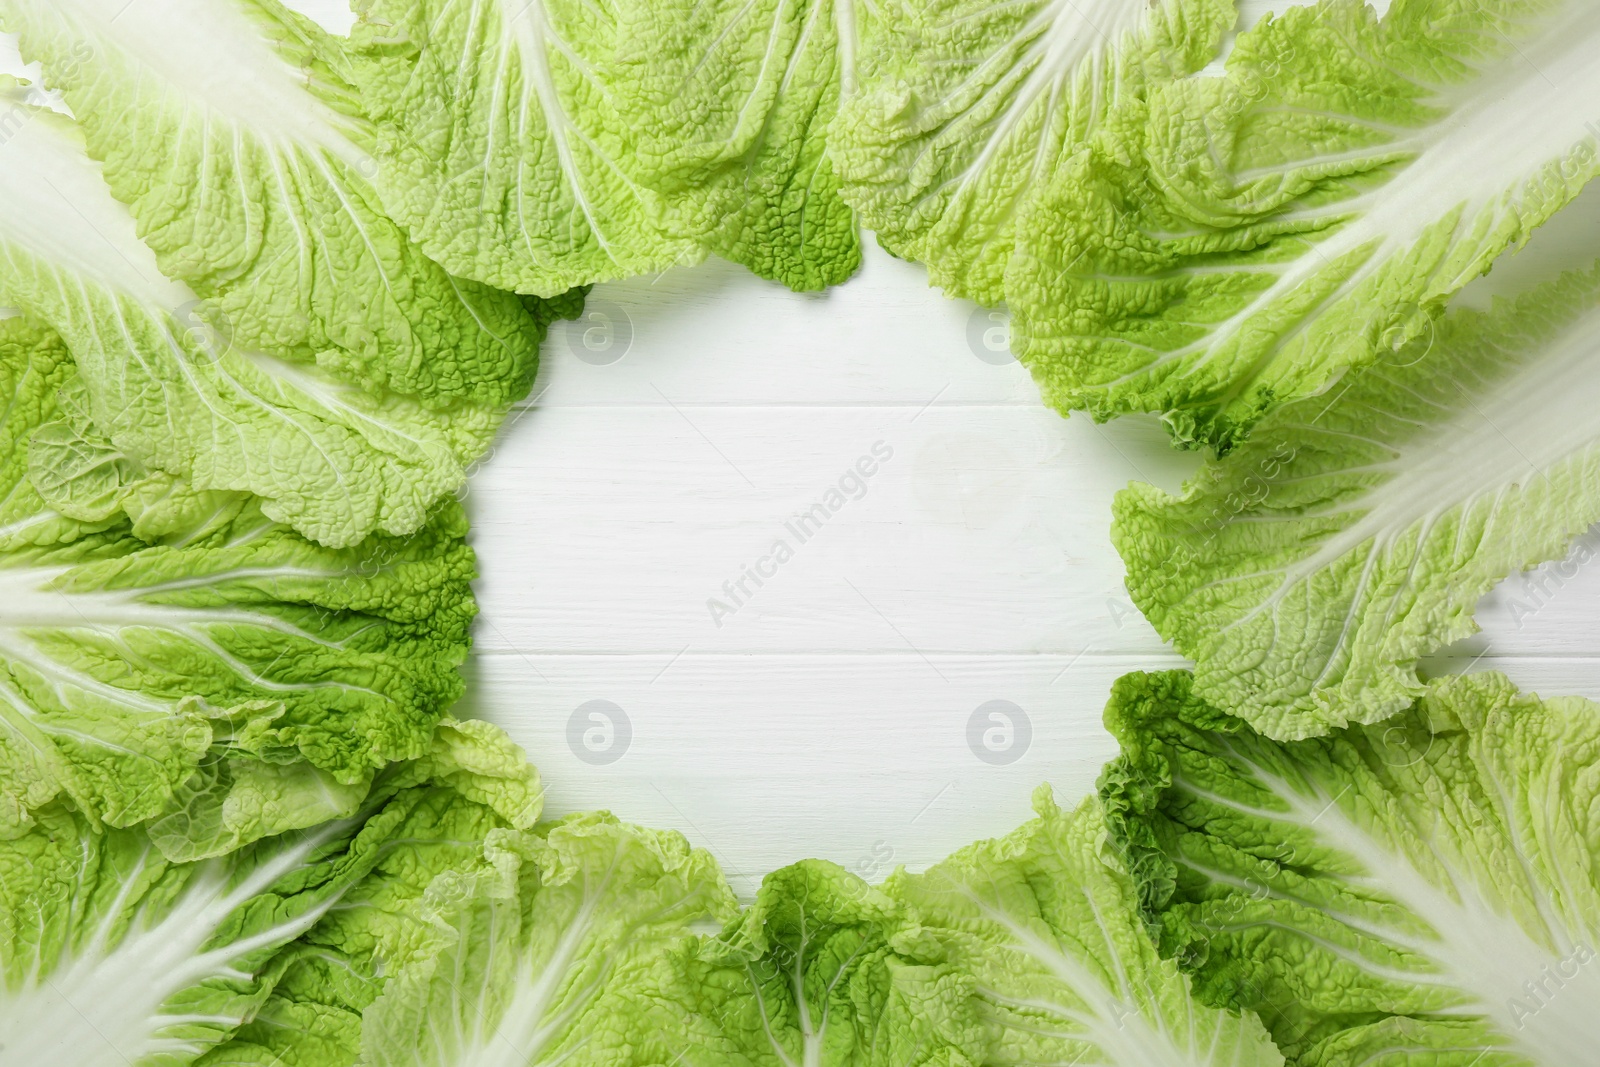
<point x="586" y="941"/>
<point x="1236" y="241"/>
<point x="821" y="970"/>
<point x="112" y="955"/>
<point x="1426" y="890"/>
<point x="327" y="452"/>
<point x="1205" y="244"/>
<point x="541" y="146"/>
<point x="966" y="112"/>
<point x="176" y="659"/>
<point x="242" y="157"/>
<point x="548" y="951"/>
<point x="1045" y="923"/>
<point x="761" y="85"/>
<point x="1307" y="572"/>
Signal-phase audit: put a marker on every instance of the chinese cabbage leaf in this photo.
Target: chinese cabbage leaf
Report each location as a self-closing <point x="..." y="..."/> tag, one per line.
<point x="967" y="109"/>
<point x="547" y="951"/>
<point x="539" y="146"/>
<point x="224" y="127"/>
<point x="171" y="389"/>
<point x="1230" y="242"/>
<point x="112" y="954"/>
<point x="762" y="84"/>
<point x="1421" y="891"/>
<point x="228" y="681"/>
<point x="824" y="969"/>
<point x="1046" y="922"/>
<point x="1307" y="572"/>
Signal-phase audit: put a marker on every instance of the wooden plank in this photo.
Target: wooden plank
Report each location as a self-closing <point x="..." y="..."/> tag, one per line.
<point x="979" y="529"/>
<point x="718" y="334"/>
<point x="867" y="760"/>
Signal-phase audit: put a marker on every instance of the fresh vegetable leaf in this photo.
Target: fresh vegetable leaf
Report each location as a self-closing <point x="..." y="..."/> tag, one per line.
<point x="1026" y="949"/>
<point x="1307" y="572"/>
<point x="1205" y="245"/>
<point x="173" y="392"/>
<point x="537" y="147"/>
<point x="1228" y="243"/>
<point x="1421" y="891"/>
<point x="451" y="812"/>
<point x="227" y="682"/>
<point x="507" y="139"/>
<point x="1046" y="922"/>
<point x="243" y="159"/>
<point x="825" y="969"/>
<point x="967" y="110"/>
<point x="112" y="954"/>
<point x="115" y="955"/>
<point x="547" y="950"/>
<point x="761" y="86"/>
<point x="77" y="471"/>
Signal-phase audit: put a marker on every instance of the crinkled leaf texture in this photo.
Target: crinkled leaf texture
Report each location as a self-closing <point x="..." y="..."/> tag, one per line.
<point x="171" y="389"/>
<point x="507" y="136"/>
<point x="824" y="969"/>
<point x="1046" y="924"/>
<point x="1204" y="245"/>
<point x="553" y="948"/>
<point x="750" y="115"/>
<point x="1026" y="949"/>
<point x="112" y="955"/>
<point x="224" y="127"/>
<point x="1421" y="891"/>
<point x="1307" y="572"/>
<point x="1227" y="243"/>
<point x="223" y="680"/>
<point x="539" y="146"/>
<point x="587" y="941"/>
<point x="966" y="110"/>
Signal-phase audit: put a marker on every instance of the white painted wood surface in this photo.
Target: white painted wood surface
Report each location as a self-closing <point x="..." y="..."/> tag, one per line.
<point x="676" y="430"/>
<point x="829" y="715"/>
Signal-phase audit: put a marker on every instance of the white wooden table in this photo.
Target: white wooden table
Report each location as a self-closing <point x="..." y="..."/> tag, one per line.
<point x="684" y="422"/>
<point x="830" y="715"/>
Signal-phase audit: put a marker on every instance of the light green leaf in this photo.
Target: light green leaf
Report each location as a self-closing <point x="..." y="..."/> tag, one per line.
<point x="968" y="109"/>
<point x="450" y="809"/>
<point x="1047" y="924"/>
<point x="1421" y="891"/>
<point x="539" y="146"/>
<point x="230" y="681"/>
<point x="167" y="385"/>
<point x="506" y="135"/>
<point x="79" y="472"/>
<point x="761" y="86"/>
<point x="1230" y="242"/>
<point x="1354" y="533"/>
<point x="546" y="952"/>
<point x="824" y="970"/>
<point x="224" y="127"/>
<point x="112" y="955"/>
